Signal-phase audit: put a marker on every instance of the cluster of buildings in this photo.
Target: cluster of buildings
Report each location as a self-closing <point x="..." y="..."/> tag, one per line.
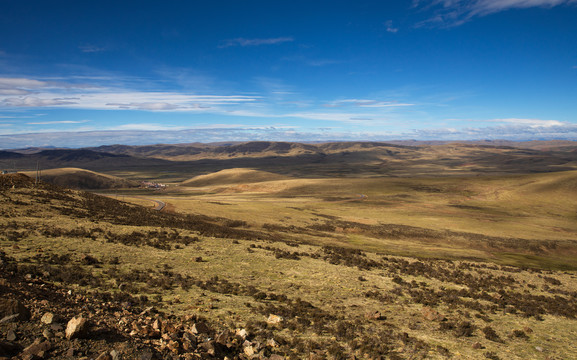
<point x="152" y="185"/>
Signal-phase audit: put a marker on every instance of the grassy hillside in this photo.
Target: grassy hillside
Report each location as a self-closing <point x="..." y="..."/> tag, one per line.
<point x="292" y="298"/>
<point x="232" y="176"/>
<point x="518" y="220"/>
<point x="76" y="178"/>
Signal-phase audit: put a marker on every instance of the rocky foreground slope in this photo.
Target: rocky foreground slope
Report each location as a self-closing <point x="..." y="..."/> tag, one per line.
<point x="82" y="276"/>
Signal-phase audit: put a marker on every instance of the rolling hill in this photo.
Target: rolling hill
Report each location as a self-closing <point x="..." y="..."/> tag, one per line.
<point x="232" y="176"/>
<point x="76" y="178"/>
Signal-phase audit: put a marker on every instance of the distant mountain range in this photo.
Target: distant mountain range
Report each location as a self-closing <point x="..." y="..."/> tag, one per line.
<point x="333" y="159"/>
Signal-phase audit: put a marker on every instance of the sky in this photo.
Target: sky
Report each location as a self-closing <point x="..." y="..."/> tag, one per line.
<point x="88" y="73"/>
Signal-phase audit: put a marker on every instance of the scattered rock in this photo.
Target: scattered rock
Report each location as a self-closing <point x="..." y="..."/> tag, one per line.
<point x="146" y="355"/>
<point x="114" y="355"/>
<point x="47" y="318"/>
<point x="47" y="334"/>
<point x="477" y="346"/>
<point x="157" y="325"/>
<point x="539" y="348"/>
<point x="104" y="356"/>
<point x="274" y="319"/>
<point x="56" y="327"/>
<point x="374" y="315"/>
<point x="71" y="352"/>
<point x="11" y="335"/>
<point x="9" y="318"/>
<point x="432" y="314"/>
<point x="208" y="346"/>
<point x="10" y="307"/>
<point x="76" y="327"/>
<point x="272" y="343"/>
<point x="38" y="348"/>
<point x="249" y="350"/>
<point x="276" y="357"/>
<point x="200" y="328"/>
<point x="223" y="338"/>
<point x="242" y="333"/>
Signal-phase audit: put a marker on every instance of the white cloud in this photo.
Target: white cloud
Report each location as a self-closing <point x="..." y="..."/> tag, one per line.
<point x="390" y="27"/>
<point x="254" y="42"/>
<point x="58" y="122"/>
<point x="152" y="106"/>
<point x="31" y="93"/>
<point x="31" y="101"/>
<point x="458" y="12"/>
<point x="91" y="49"/>
<point x="146" y="127"/>
<point x="532" y="123"/>
<point x="366" y="103"/>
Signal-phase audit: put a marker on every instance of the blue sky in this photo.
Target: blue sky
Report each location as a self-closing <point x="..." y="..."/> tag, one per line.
<point x="83" y="73"/>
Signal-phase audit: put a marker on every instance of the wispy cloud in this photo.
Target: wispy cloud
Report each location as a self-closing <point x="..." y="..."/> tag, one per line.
<point x="365" y="103"/>
<point x="132" y="134"/>
<point x="91" y="49"/>
<point x="390" y="28"/>
<point x="255" y="42"/>
<point x="458" y="12"/>
<point x="147" y="127"/>
<point x="58" y="122"/>
<point x="31" y="93"/>
<point x="532" y="123"/>
<point x="311" y="62"/>
<point x="33" y="102"/>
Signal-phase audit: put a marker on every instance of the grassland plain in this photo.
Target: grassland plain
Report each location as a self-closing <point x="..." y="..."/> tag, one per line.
<point x="324" y="257"/>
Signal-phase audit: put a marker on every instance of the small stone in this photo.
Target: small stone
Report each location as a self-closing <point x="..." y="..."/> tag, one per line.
<point x="47" y="334"/>
<point x="56" y="327"/>
<point x="200" y="328"/>
<point x="11" y="335"/>
<point x="70" y="352"/>
<point x="223" y="338"/>
<point x="276" y="357"/>
<point x="249" y="350"/>
<point x="146" y="355"/>
<point x="47" y="318"/>
<point x="539" y="348"/>
<point x="173" y="346"/>
<point x="242" y="333"/>
<point x="209" y="347"/>
<point x="272" y="343"/>
<point x="374" y="315"/>
<point x="147" y="311"/>
<point x="76" y="327"/>
<point x="477" y="346"/>
<point x="274" y="319"/>
<point x="432" y="314"/>
<point x="114" y="355"/>
<point x="38" y="348"/>
<point x="11" y="307"/>
<point x="104" y="356"/>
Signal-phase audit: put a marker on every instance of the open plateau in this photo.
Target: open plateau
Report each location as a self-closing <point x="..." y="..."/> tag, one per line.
<point x="273" y="250"/>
